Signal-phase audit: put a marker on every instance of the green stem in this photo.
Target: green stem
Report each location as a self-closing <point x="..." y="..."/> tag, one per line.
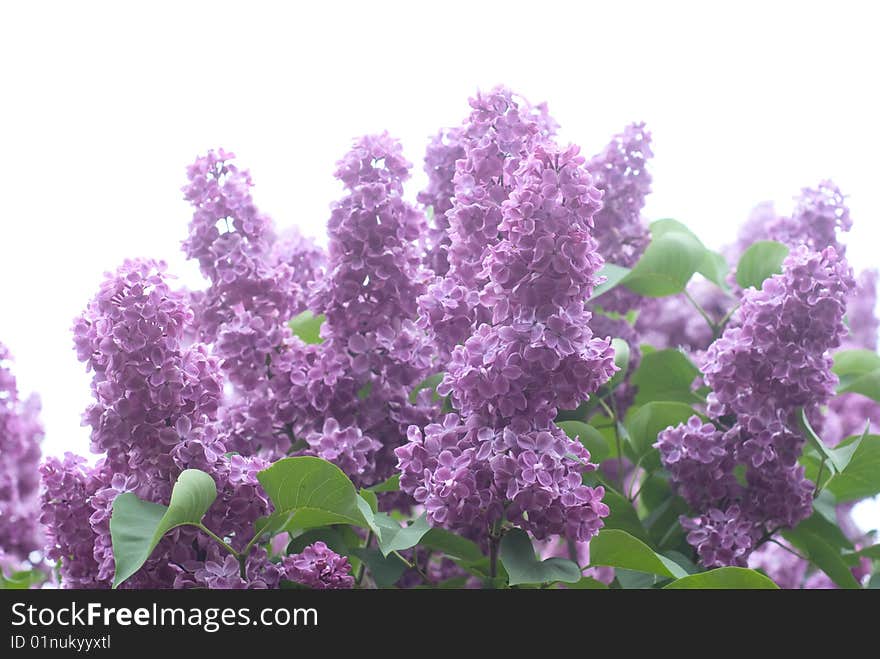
<point x="702" y="311"/>
<point x="494" y="543"/>
<point x="723" y="322"/>
<point x="363" y="567"/>
<point x="612" y="413"/>
<point x="218" y="539"/>
<point x="819" y="477"/>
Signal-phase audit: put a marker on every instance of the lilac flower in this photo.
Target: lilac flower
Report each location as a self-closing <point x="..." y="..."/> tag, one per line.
<point x="68" y="486"/>
<point x="722" y="537"/>
<point x="503" y="456"/>
<point x="772" y="361"/>
<point x="699" y="461"/>
<point x="20" y="437"/>
<point x="348" y="398"/>
<point x="144" y="380"/>
<point x="318" y="567"/>
<point x="620" y="172"/>
<point x="500" y="131"/>
<point x="775" y="354"/>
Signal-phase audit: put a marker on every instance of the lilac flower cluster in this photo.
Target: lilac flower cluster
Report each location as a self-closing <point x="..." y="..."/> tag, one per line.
<point x="620" y="172"/>
<point x="20" y="437"/>
<point x="771" y="362"/>
<point x="521" y="224"/>
<point x="258" y="281"/>
<point x="820" y="215"/>
<point x="501" y="130"/>
<point x="155" y="415"/>
<point x="348" y="398"/>
<point x="318" y="567"/>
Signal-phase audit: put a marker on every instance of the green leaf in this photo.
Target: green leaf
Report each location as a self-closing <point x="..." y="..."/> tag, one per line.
<point x="591" y="438"/>
<point x="621" y="361"/>
<point x="867" y="385"/>
<point x="329" y="535"/>
<point x="859" y="372"/>
<point x="759" y="262"/>
<point x="452" y="545"/>
<point x="137" y="526"/>
<point x="861" y="476"/>
<point x="665" y="375"/>
<point x="394" y="537"/>
<point x="385" y="570"/>
<point x="724" y="578"/>
<point x="714" y="268"/>
<point x="518" y="557"/>
<point x="647" y="421"/>
<point x="623" y="516"/>
<point x="429" y="382"/>
<point x="308" y="492"/>
<point x="22" y="580"/>
<point x="390" y="485"/>
<point x="616" y="548"/>
<point x="613" y="274"/>
<point x="855" y="362"/>
<point x="668" y="263"/>
<point x="307" y="326"/>
<point x="816" y="442"/>
<point x="822" y="555"/>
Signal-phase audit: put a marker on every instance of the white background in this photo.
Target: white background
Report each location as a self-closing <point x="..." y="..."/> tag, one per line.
<point x="103" y="105"/>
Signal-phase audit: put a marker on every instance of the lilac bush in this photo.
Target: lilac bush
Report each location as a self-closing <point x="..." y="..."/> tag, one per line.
<point x="515" y="380"/>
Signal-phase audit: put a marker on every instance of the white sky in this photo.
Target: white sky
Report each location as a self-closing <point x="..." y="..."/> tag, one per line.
<point x="102" y="106"/>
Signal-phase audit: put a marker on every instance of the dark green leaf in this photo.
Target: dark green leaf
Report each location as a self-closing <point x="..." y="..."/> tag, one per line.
<point x="308" y="492"/>
<point x="647" y="421"/>
<point x="390" y="485"/>
<point x="591" y="438"/>
<point x="385" y="570"/>
<point x="623" y="516"/>
<point x="613" y="274"/>
<point x="824" y="556"/>
<point x="329" y="535"/>
<point x="452" y="545"/>
<point x="137" y="526"/>
<point x="665" y="375"/>
<point x="307" y="326"/>
<point x="725" y="578"/>
<point x="760" y="261"/>
<point x="518" y="557"/>
<point x="617" y="548"/>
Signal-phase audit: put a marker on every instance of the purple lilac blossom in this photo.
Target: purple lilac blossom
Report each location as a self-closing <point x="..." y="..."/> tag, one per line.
<point x="258" y="281"/>
<point x="501" y="130"/>
<point x="348" y="398"/>
<point x="502" y="455"/>
<point x="155" y="415"/>
<point x="773" y="360"/>
<point x="20" y="437"/>
<point x="318" y="567"/>
<point x="620" y="172"/>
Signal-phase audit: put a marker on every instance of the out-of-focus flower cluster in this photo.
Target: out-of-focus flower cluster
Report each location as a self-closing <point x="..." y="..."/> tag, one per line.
<point x="20" y="437"/>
